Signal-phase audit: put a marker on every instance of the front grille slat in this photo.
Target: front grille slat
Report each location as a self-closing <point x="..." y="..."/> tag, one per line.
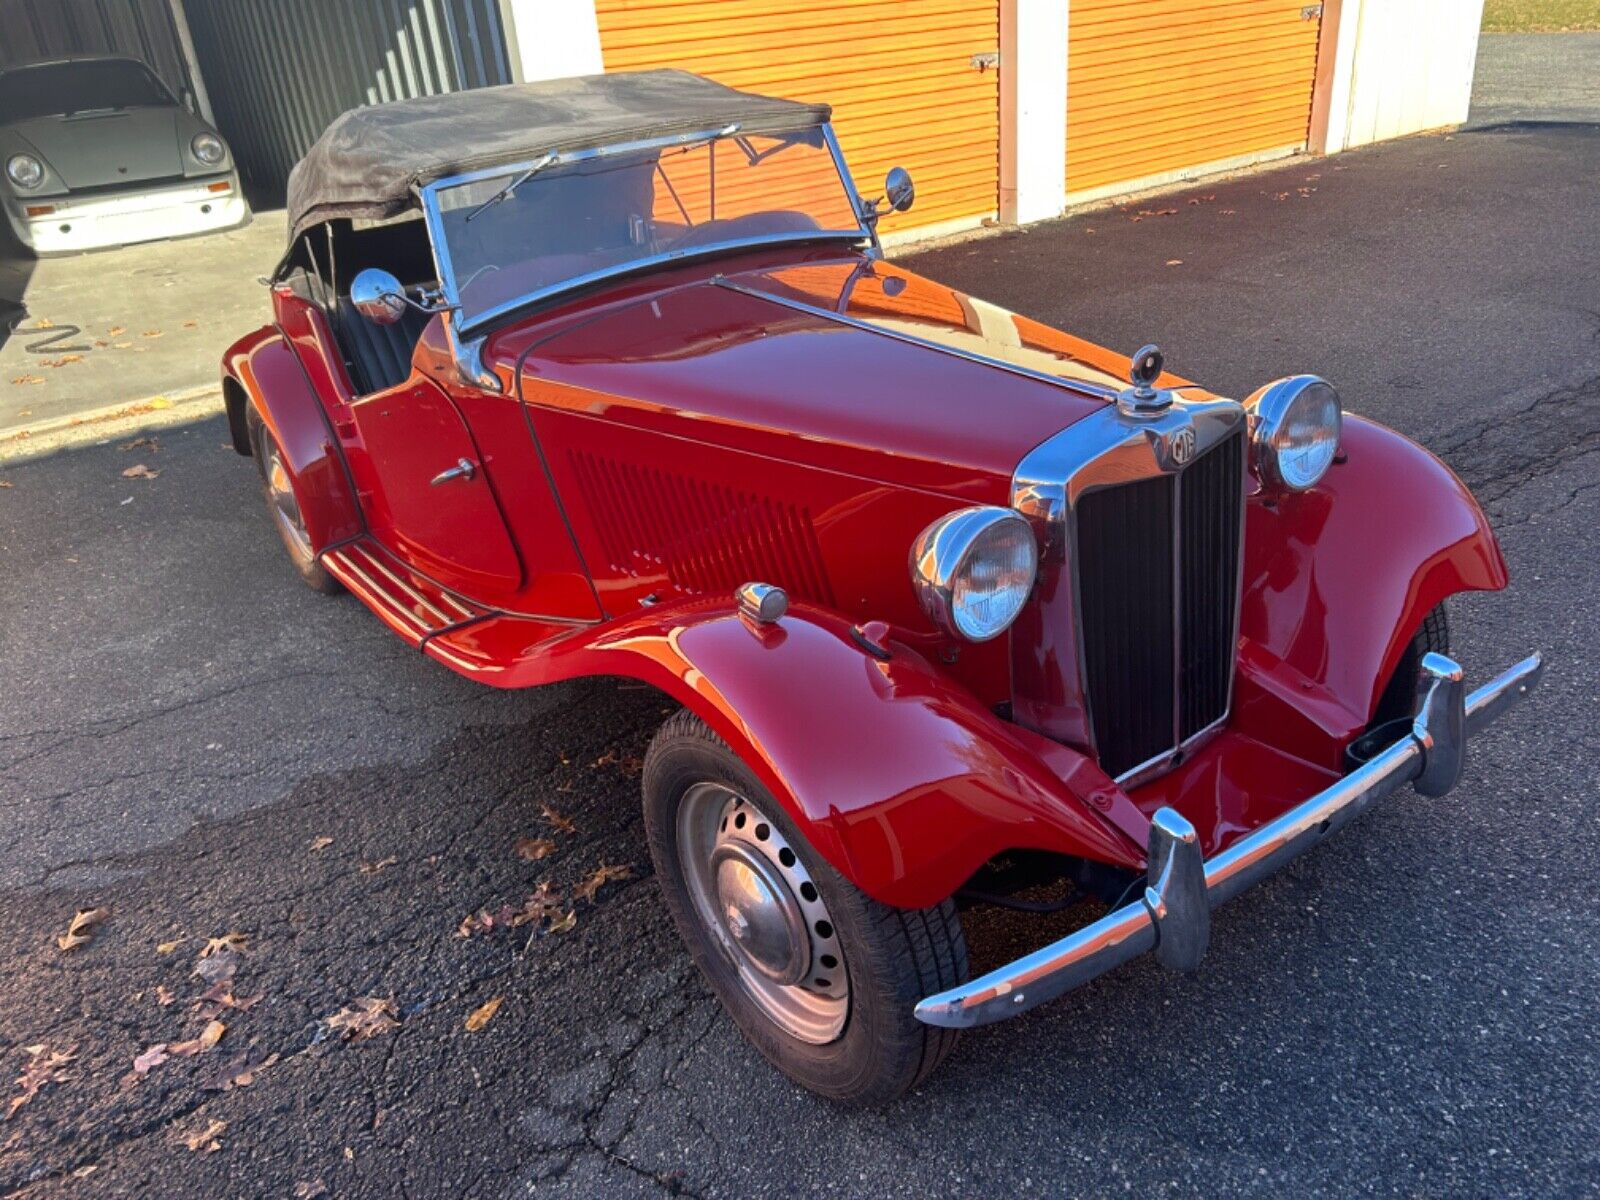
<point x="1126" y="598"/>
<point x="1147" y="695"/>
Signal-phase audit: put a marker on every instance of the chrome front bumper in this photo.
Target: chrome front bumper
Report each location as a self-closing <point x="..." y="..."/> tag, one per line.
<point x="1173" y="917"/>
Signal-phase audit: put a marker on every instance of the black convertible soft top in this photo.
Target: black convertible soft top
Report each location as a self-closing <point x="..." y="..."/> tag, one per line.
<point x="369" y="162"/>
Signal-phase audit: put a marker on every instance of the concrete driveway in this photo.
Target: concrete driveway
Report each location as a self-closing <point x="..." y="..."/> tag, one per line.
<point x="191" y="740"/>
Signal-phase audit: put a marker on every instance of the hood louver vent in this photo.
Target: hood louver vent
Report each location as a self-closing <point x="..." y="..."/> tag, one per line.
<point x="702" y="536"/>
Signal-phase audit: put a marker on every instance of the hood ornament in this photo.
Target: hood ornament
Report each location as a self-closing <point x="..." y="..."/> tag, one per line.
<point x="1143" y="398"/>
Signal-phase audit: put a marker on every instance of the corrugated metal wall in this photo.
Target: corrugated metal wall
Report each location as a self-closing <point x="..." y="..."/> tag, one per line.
<point x="279" y="71"/>
<point x="897" y="72"/>
<point x="1159" y="86"/>
<point x="38" y="29"/>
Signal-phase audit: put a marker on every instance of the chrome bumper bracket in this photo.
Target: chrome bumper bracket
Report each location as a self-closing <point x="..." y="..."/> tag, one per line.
<point x="1173" y="916"/>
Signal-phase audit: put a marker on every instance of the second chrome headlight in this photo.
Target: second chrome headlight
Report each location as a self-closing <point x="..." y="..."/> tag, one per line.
<point x="1294" y="431"/>
<point x="973" y="570"/>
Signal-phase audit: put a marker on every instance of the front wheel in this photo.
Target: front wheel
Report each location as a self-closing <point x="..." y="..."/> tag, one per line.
<point x="819" y="976"/>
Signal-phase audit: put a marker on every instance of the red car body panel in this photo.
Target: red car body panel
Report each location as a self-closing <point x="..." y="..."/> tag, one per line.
<point x="799" y="417"/>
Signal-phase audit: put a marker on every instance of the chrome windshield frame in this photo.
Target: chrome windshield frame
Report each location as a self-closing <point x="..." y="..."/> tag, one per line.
<point x="464" y="326"/>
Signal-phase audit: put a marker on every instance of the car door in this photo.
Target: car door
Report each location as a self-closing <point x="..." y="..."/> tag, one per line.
<point x="434" y="505"/>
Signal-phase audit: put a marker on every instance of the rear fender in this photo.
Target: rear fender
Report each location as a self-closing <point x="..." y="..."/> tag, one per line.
<point x="897" y="776"/>
<point x="1337" y="580"/>
<point x="262" y="373"/>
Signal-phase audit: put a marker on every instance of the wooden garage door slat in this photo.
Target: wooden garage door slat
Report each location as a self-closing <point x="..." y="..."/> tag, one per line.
<point x="1155" y="87"/>
<point x="897" y="72"/>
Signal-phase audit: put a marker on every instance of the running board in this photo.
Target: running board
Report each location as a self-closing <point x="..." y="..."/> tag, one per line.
<point x="409" y="603"/>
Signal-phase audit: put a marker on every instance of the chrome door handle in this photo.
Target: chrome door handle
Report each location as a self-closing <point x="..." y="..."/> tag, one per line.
<point x="465" y="468"/>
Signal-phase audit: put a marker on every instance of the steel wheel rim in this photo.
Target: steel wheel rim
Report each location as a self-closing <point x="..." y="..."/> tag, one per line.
<point x="755" y="897"/>
<point x="280" y="498"/>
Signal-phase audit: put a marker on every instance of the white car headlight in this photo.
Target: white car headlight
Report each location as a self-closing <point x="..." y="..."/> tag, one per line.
<point x="208" y="148"/>
<point x="25" y="171"/>
<point x="1294" y="431"/>
<point x="973" y="570"/>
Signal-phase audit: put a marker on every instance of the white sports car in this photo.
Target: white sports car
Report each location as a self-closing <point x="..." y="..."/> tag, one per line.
<point x="97" y="152"/>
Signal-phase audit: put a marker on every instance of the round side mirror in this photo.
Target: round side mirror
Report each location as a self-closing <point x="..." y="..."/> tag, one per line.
<point x="378" y="296"/>
<point x="899" y="190"/>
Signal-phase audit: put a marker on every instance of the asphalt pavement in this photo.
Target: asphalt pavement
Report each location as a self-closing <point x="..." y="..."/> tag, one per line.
<point x="195" y="742"/>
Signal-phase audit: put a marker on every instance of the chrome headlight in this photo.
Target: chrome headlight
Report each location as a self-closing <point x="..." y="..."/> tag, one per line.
<point x="973" y="570"/>
<point x="25" y="171"/>
<point x="208" y="148"/>
<point x="1294" y="431"/>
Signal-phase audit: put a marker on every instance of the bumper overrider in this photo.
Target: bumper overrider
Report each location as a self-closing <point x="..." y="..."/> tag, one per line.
<point x="1173" y="917"/>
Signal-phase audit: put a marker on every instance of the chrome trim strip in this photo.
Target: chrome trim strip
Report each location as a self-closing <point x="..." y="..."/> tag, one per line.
<point x="1172" y="918"/>
<point x="1083" y="387"/>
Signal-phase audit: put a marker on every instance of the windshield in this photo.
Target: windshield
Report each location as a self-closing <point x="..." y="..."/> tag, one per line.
<point x="63" y="88"/>
<point x="596" y="216"/>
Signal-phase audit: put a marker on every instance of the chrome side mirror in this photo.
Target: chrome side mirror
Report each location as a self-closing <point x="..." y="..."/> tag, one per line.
<point x="898" y="189"/>
<point x="378" y="296"/>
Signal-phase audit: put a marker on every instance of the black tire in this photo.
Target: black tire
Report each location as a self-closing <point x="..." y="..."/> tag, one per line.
<point x="893" y="957"/>
<point x="304" y="561"/>
<point x="1400" y="693"/>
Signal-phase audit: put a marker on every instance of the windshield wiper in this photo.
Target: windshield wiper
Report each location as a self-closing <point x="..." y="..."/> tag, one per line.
<point x="511" y="187"/>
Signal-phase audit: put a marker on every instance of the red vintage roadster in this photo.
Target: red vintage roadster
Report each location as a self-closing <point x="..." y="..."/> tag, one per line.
<point x="609" y="376"/>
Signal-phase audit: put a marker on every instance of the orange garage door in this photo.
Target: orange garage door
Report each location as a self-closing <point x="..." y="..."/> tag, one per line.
<point x="1160" y="87"/>
<point x="898" y="74"/>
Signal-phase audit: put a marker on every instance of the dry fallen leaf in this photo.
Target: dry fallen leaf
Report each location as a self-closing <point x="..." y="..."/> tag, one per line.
<point x="44" y="1067"/>
<point x="602" y="875"/>
<point x="373" y="868"/>
<point x="563" y="924"/>
<point x="310" y="1189"/>
<point x="152" y="333"/>
<point x="478" y="922"/>
<point x="30" y="379"/>
<point x="121" y="345"/>
<point x="141" y="441"/>
<point x="1174" y="262"/>
<point x="63" y="361"/>
<point x="317" y="843"/>
<point x="115" y="330"/>
<point x="221" y="965"/>
<point x="541" y="903"/>
<point x="82" y="928"/>
<point x="169" y="947"/>
<point x="150" y="1059"/>
<point x="140" y="471"/>
<point x="6" y="483"/>
<point x="483" y="1014"/>
<point x="205" y="1140"/>
<point x="556" y="821"/>
<point x="164" y="995"/>
<point x="209" y="1037"/>
<point x="629" y="764"/>
<point x="364" y="1017"/>
<point x="44" y="323"/>
<point x="220" y="996"/>
<point x="191" y="324"/>
<point x="238" y="1071"/>
<point x="533" y="849"/>
<point x="233" y="940"/>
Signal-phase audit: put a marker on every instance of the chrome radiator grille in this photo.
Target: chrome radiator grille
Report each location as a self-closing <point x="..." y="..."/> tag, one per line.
<point x="1127" y="646"/>
<point x="1158" y="582"/>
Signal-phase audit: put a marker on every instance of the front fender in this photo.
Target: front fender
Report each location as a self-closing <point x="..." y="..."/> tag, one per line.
<point x="899" y="777"/>
<point x="1337" y="580"/>
<point x="262" y="372"/>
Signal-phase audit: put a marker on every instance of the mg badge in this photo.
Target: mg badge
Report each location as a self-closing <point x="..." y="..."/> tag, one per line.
<point x="1181" y="446"/>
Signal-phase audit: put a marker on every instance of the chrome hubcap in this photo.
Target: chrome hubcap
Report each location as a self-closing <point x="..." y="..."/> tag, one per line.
<point x="280" y="497"/>
<point x="757" y="899"/>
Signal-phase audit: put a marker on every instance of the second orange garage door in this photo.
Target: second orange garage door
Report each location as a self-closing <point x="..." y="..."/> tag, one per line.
<point x="1156" y="88"/>
<point x="898" y="74"/>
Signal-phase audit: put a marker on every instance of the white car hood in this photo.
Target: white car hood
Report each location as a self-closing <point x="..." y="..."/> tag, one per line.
<point x="101" y="149"/>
